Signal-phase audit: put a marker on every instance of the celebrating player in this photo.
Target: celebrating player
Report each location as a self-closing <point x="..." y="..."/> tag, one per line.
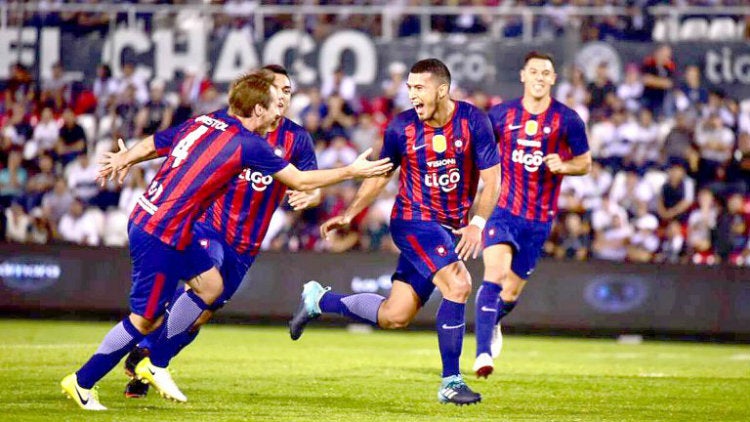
<point x="233" y="228"/>
<point x="443" y="148"/>
<point x="541" y="140"/>
<point x="202" y="156"/>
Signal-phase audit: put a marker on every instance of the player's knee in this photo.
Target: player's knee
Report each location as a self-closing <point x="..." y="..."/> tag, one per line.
<point x="394" y="322"/>
<point x="512" y="290"/>
<point x="459" y="287"/>
<point x="143" y="325"/>
<point x="496" y="274"/>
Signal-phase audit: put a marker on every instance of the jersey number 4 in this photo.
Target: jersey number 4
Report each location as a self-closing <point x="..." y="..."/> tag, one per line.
<point x="181" y="151"/>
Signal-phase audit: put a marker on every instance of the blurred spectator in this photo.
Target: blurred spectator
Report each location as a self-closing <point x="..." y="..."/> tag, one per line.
<point x="40" y="183"/>
<point x="677" y="194"/>
<point x="40" y="228"/>
<point x="125" y="112"/>
<point x="339" y="119"/>
<point x="718" y="103"/>
<point x="81" y="176"/>
<point x="658" y="71"/>
<point x="366" y="133"/>
<point x="16" y="223"/>
<point x="639" y="24"/>
<point x="600" y="90"/>
<point x="193" y="84"/>
<point x="156" y="114"/>
<point x="587" y="191"/>
<point x="341" y="84"/>
<point x="105" y="89"/>
<point x="394" y="88"/>
<point x="678" y="144"/>
<point x="12" y="179"/>
<point x="77" y="227"/>
<point x="339" y="153"/>
<point x="611" y="243"/>
<point x="20" y="86"/>
<point x="739" y="169"/>
<point x="693" y="88"/>
<point x="643" y="135"/>
<point x="629" y="190"/>
<point x="57" y="202"/>
<point x="715" y="146"/>
<point x="672" y="248"/>
<point x="644" y="243"/>
<point x="130" y="78"/>
<point x="700" y="224"/>
<point x="17" y="130"/>
<point x="46" y="135"/>
<point x="135" y="186"/>
<point x="57" y="80"/>
<point x="72" y="139"/>
<point x="603" y="216"/>
<point x="573" y="84"/>
<point x="630" y="89"/>
<point x="574" y="242"/>
<point x="209" y="100"/>
<point x="730" y="238"/>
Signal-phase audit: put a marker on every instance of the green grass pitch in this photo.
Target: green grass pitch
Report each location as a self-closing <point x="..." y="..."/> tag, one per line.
<point x="237" y="373"/>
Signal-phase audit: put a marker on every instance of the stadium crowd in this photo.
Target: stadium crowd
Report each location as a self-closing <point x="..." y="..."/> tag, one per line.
<point x="670" y="183"/>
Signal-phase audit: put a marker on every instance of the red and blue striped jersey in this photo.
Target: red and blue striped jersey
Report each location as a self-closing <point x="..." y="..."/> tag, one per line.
<point x="528" y="189"/>
<point x="203" y="155"/>
<point x="243" y="213"/>
<point x="439" y="165"/>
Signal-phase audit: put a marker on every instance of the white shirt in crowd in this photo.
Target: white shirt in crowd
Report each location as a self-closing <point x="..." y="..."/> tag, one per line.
<point x="46" y="135"/>
<point x="82" y="230"/>
<point x="724" y="136"/>
<point x="82" y="180"/>
<point x="602" y="217"/>
<point x="16" y="227"/>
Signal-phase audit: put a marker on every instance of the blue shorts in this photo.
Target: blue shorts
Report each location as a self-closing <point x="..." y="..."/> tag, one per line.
<point x="526" y="237"/>
<point x="158" y="269"/>
<point x="425" y="247"/>
<point x="231" y="265"/>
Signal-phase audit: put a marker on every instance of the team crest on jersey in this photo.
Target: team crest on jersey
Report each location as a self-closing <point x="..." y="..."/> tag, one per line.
<point x="439" y="143"/>
<point x="279" y="152"/>
<point x="441" y="250"/>
<point x="458" y="144"/>
<point x="531" y="127"/>
<point x="547" y="130"/>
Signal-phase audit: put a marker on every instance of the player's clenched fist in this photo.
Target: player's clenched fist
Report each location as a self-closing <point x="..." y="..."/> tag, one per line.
<point x="554" y="163"/>
<point x="335" y="223"/>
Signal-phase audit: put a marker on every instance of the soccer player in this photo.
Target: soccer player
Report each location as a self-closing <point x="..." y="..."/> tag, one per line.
<point x="443" y="148"/>
<point x="541" y="140"/>
<point x="202" y="156"/>
<point x="233" y="228"/>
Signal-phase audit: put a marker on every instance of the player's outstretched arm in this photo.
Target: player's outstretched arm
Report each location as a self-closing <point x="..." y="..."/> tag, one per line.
<point x="117" y="164"/>
<point x="313" y="179"/>
<point x="470" y="244"/>
<point x="366" y="194"/>
<point x="576" y="166"/>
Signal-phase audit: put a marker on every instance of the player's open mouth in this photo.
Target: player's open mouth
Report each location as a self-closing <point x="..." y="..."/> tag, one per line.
<point x="538" y="86"/>
<point x="418" y="108"/>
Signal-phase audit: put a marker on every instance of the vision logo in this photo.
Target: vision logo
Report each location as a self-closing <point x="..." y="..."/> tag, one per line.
<point x="616" y="294"/>
<point x="531" y="162"/>
<point x="258" y="180"/>
<point x="446" y="182"/>
<point x="30" y="274"/>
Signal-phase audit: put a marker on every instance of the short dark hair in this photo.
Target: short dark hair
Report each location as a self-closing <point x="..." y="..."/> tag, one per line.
<point x="434" y="66"/>
<point x="277" y="69"/>
<point x="538" y="55"/>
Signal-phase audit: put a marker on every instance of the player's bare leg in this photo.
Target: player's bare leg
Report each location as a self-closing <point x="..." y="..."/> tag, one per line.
<point x="497" y="261"/>
<point x="454" y="282"/>
<point x="400" y="307"/>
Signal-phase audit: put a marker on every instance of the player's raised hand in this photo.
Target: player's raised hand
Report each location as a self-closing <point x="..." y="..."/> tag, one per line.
<point x="114" y="164"/>
<point x="300" y="200"/>
<point x="470" y="244"/>
<point x="554" y="163"/>
<point x="365" y="168"/>
<point x="335" y="223"/>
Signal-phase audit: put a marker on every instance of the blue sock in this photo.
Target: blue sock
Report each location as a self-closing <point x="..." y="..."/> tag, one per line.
<point x="116" y="344"/>
<point x="504" y="308"/>
<point x="450" y="328"/>
<point x="360" y="307"/>
<point x="488" y="297"/>
<point x="181" y="317"/>
<point x="152" y="337"/>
